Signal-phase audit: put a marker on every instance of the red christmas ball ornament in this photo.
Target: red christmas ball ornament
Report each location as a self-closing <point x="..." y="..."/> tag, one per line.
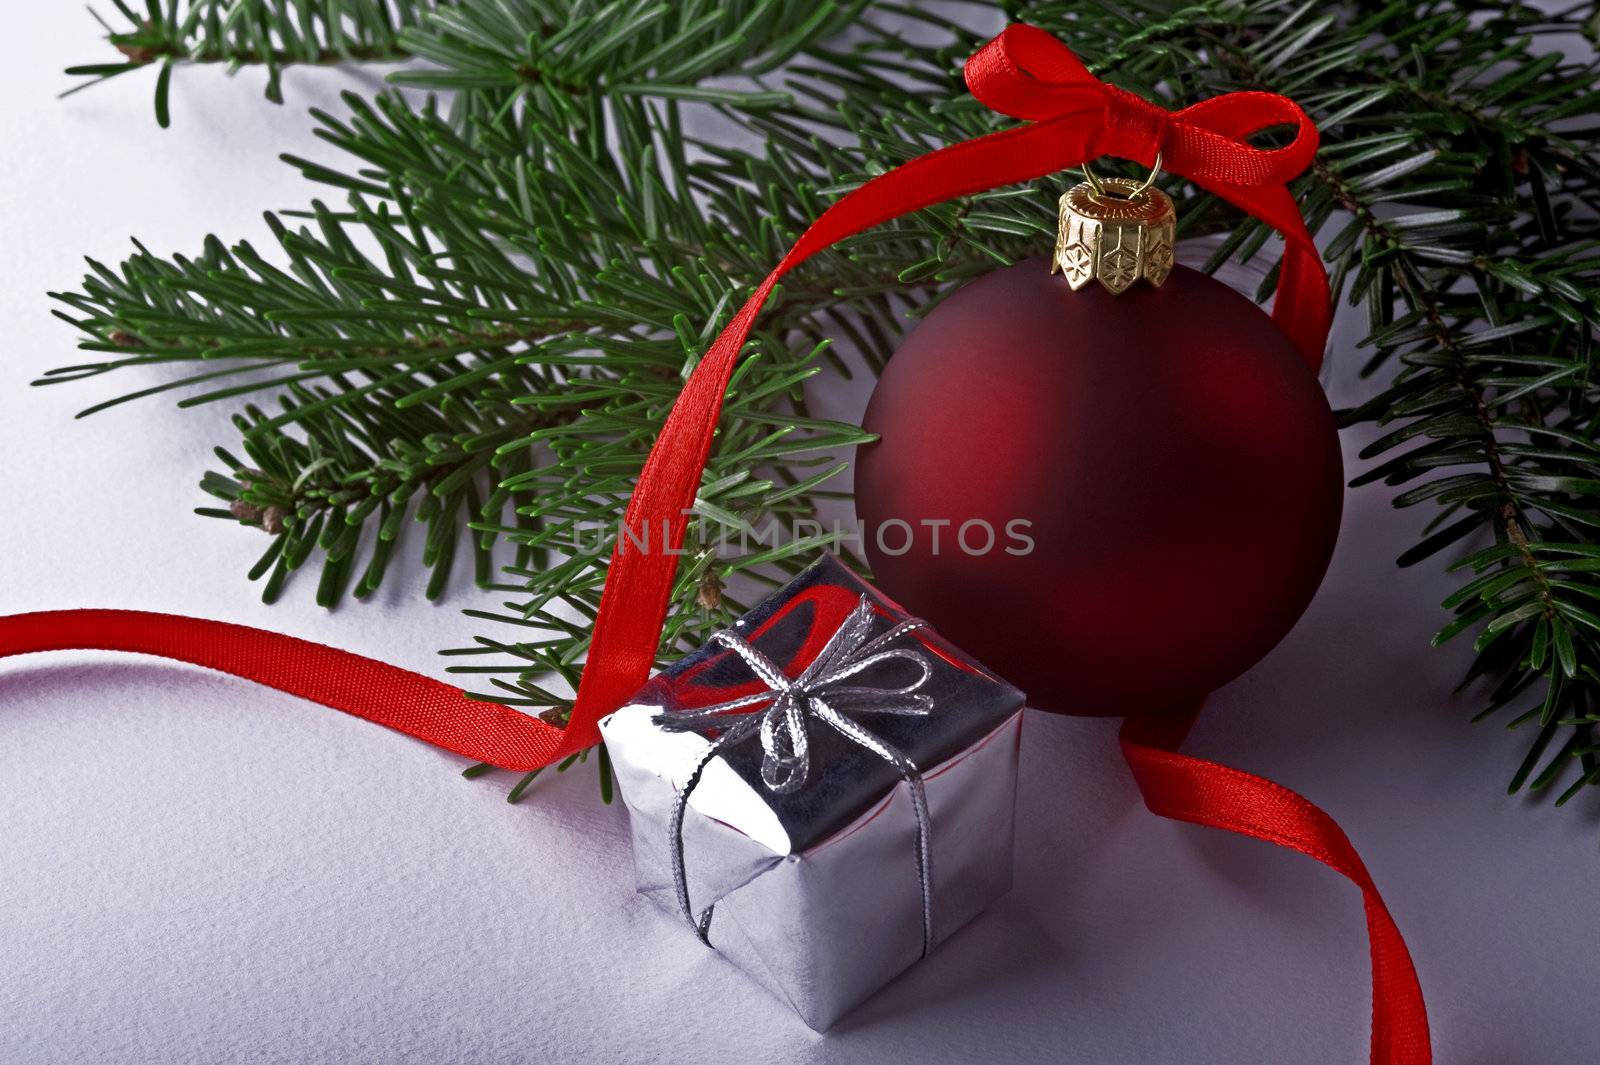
<point x="1118" y="495"/>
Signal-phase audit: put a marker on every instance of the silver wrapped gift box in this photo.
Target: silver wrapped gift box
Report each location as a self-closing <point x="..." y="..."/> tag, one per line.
<point x="823" y="791"/>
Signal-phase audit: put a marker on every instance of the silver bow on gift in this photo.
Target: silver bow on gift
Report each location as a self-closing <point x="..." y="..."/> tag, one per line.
<point x="818" y="693"/>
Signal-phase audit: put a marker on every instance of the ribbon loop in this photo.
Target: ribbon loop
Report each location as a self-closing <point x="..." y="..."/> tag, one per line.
<point x="790" y="704"/>
<point x="1028" y="74"/>
<point x="1215" y="143"/>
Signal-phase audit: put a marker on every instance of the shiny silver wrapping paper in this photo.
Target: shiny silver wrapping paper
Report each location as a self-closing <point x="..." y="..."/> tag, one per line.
<point x="817" y="895"/>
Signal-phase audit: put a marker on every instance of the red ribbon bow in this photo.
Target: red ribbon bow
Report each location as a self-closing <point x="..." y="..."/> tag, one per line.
<point x="1071" y="118"/>
<point x="1028" y="74"/>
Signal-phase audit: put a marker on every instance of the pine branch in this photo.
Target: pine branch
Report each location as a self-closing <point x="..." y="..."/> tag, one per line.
<point x="1488" y="301"/>
<point x="274" y="34"/>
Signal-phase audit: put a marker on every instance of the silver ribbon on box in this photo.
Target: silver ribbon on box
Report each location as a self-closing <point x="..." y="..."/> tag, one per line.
<point x="818" y="693"/>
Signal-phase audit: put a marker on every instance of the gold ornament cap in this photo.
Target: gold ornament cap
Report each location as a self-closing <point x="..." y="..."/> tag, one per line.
<point x="1115" y="231"/>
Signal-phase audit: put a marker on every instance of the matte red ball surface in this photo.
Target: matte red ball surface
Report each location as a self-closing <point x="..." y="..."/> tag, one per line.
<point x="1175" y="461"/>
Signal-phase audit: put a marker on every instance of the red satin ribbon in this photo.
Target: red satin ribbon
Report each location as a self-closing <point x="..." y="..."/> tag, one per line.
<point x="1191" y="789"/>
<point x="1071" y="117"/>
<point x="397" y="698"/>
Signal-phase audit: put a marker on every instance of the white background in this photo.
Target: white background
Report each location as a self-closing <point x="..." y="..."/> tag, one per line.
<point x="195" y="870"/>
